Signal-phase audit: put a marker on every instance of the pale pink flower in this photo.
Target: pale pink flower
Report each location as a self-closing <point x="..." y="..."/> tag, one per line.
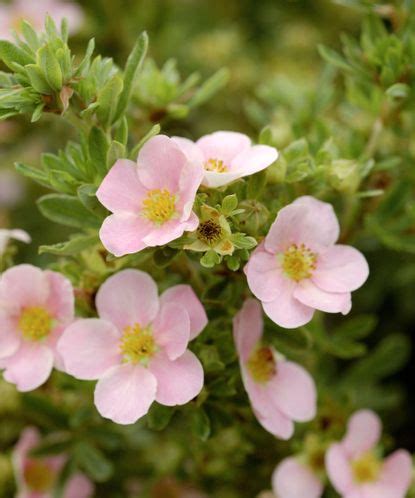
<point x="294" y="479"/>
<point x="137" y="349"/>
<point x="36" y="477"/>
<point x="152" y="200"/>
<point x="354" y="466"/>
<point x="35" y="11"/>
<point x="298" y="268"/>
<point x="35" y="307"/>
<point x="11" y="188"/>
<point x="16" y="234"/>
<point x="280" y="391"/>
<point x="227" y="156"/>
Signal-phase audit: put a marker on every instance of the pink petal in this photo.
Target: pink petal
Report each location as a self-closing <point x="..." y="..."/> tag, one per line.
<point x="29" y="438"/>
<point x="29" y="367"/>
<point x="79" y="486"/>
<point x="223" y="145"/>
<point x="363" y="432"/>
<point x="293" y="391"/>
<point x="160" y="163"/>
<point x="293" y="479"/>
<point x="190" y="179"/>
<point x="339" y="470"/>
<point x="121" y="189"/>
<point x="264" y="275"/>
<point x="186" y="297"/>
<point x="171" y="230"/>
<point x="285" y="310"/>
<point x="9" y="338"/>
<point x="179" y="381"/>
<point x="89" y="348"/>
<point x="254" y="159"/>
<point x="341" y="269"/>
<point x="396" y="474"/>
<point x="278" y="425"/>
<point x="213" y="179"/>
<point x="310" y="222"/>
<point x="127" y="298"/>
<point x="123" y="233"/>
<point x="333" y="302"/>
<point x="191" y="150"/>
<point x="24" y="286"/>
<point x="171" y="329"/>
<point x="125" y="393"/>
<point x="247" y="328"/>
<point x="61" y="301"/>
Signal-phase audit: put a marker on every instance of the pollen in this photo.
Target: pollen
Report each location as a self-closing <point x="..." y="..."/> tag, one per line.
<point x="209" y="231"/>
<point x="216" y="165"/>
<point x="159" y="206"/>
<point x="299" y="262"/>
<point x="262" y="365"/>
<point x="35" y="323"/>
<point x="366" y="468"/>
<point x="38" y="476"/>
<point x="137" y="344"/>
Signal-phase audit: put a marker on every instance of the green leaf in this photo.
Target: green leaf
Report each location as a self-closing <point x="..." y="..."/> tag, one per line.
<point x="155" y="130"/>
<point x="210" y="87"/>
<point x="210" y="259"/>
<point x="87" y="195"/>
<point x="134" y="63"/>
<point x="200" y="424"/>
<point x="50" y="67"/>
<point x="35" y="174"/>
<point x="334" y="58"/>
<point x="256" y="185"/>
<point x="98" y="149"/>
<point x="66" y="210"/>
<point x="107" y="100"/>
<point x="242" y="241"/>
<point x="93" y="462"/>
<point x="11" y="54"/>
<point x="229" y="204"/>
<point x="115" y="152"/>
<point x="159" y="416"/>
<point x="398" y="91"/>
<point x="40" y="406"/>
<point x="75" y="245"/>
<point x="163" y="257"/>
<point x="37" y="80"/>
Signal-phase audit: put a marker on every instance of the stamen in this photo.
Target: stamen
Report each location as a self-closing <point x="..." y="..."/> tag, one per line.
<point x="159" y="206"/>
<point x="137" y="344"/>
<point x="298" y="262"/>
<point x="209" y="231"/>
<point x="366" y="468"/>
<point x="262" y="365"/>
<point x="38" y="476"/>
<point x="216" y="165"/>
<point x="35" y="323"/>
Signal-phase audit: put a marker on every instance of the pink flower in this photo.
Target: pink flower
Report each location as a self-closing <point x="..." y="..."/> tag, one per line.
<point x="137" y="349"/>
<point x="16" y="234"/>
<point x="152" y="200"/>
<point x="227" y="156"/>
<point x="35" y="13"/>
<point x="37" y="477"/>
<point x="298" y="268"/>
<point x="354" y="466"/>
<point x="294" y="479"/>
<point x="35" y="307"/>
<point x="280" y="391"/>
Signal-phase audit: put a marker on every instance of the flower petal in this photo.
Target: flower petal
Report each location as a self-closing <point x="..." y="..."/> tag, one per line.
<point x="254" y="159"/>
<point x="293" y="479"/>
<point x="363" y="432"/>
<point x="89" y="348"/>
<point x="264" y="275"/>
<point x="127" y="298"/>
<point x="179" y="381"/>
<point x="125" y="393"/>
<point x="171" y="329"/>
<point x="278" y="424"/>
<point x="121" y="189"/>
<point x="186" y="297"/>
<point x="247" y="328"/>
<point x="9" y="338"/>
<point x="341" y="269"/>
<point x="123" y="233"/>
<point x="171" y="230"/>
<point x="29" y="367"/>
<point x="79" y="486"/>
<point x="339" y="470"/>
<point x="332" y="302"/>
<point x="396" y="474"/>
<point x="24" y="286"/>
<point x="61" y="301"/>
<point x="213" y="179"/>
<point x="223" y="145"/>
<point x="293" y="391"/>
<point x="191" y="150"/>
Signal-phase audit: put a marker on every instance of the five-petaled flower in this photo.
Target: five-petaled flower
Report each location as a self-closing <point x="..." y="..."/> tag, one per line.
<point x="37" y="477"/>
<point x="355" y="468"/>
<point x="227" y="156"/>
<point x="152" y="200"/>
<point x="35" y="307"/>
<point x="299" y="268"/>
<point x="137" y="349"/>
<point x="280" y="391"/>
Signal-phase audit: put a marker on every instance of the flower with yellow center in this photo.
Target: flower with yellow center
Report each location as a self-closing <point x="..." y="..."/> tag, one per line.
<point x="159" y="206"/>
<point x="262" y="365"/>
<point x="35" y="323"/>
<point x="38" y="476"/>
<point x="216" y="165"/>
<point x="366" y="468"/>
<point x="137" y="344"/>
<point x="298" y="262"/>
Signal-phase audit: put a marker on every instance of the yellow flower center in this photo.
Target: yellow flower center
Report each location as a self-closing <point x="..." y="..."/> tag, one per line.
<point x="261" y="365"/>
<point x="366" y="468"/>
<point x="38" y="476"/>
<point x="159" y="206"/>
<point x="216" y="165"/>
<point x="137" y="344"/>
<point x="35" y="323"/>
<point x="299" y="262"/>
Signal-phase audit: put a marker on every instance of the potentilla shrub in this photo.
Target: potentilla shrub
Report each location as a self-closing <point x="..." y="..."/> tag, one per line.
<point x="192" y="337"/>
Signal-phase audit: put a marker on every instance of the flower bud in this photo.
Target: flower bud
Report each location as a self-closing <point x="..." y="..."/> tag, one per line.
<point x="254" y="217"/>
<point x="344" y="175"/>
